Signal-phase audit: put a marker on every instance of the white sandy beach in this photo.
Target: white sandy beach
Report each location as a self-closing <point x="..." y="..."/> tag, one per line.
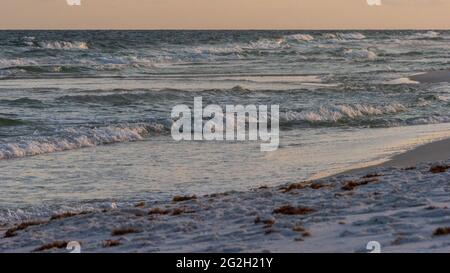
<point x="86" y="121"/>
<point x="405" y="208"/>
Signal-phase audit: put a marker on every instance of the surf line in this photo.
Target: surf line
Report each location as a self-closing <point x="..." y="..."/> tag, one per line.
<point x="236" y="123"/>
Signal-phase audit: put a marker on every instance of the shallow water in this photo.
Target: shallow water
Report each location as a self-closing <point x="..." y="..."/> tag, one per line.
<point x="85" y="115"/>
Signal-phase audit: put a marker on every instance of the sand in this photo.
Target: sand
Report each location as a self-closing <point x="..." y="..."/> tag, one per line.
<point x="428" y="153"/>
<point x="402" y="209"/>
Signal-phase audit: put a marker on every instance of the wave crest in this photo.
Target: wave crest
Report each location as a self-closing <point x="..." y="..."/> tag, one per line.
<point x="64" y="45"/>
<point x="351" y="36"/>
<point x="334" y="114"/>
<point x="300" y="37"/>
<point x="364" y="54"/>
<point x="80" y="138"/>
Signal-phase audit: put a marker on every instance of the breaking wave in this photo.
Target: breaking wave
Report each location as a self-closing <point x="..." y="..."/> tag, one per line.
<point x="426" y="35"/>
<point x="300" y="37"/>
<point x="62" y="45"/>
<point x="347" y="36"/>
<point x="361" y="54"/>
<point x="400" y="81"/>
<point x="72" y="139"/>
<point x="7" y="63"/>
<point x="334" y="114"/>
<point x="434" y="119"/>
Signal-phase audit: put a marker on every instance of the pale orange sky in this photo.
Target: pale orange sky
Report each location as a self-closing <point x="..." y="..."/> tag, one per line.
<point x="224" y="14"/>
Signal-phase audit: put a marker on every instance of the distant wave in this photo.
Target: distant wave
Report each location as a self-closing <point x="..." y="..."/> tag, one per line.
<point x="76" y="138"/>
<point x="7" y="63"/>
<point x="300" y="37"/>
<point x="346" y="36"/>
<point x="61" y="45"/>
<point x="27" y="102"/>
<point x="426" y="35"/>
<point x="363" y="54"/>
<point x="401" y="81"/>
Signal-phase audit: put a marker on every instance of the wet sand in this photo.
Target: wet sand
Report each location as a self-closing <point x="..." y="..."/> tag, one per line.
<point x="432" y="152"/>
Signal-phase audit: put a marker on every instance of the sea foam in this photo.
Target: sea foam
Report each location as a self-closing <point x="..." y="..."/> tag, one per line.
<point x="72" y="138"/>
<point x="64" y="45"/>
<point x="337" y="113"/>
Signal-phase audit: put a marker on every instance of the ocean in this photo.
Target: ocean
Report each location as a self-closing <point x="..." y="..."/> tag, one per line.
<point x="85" y="115"/>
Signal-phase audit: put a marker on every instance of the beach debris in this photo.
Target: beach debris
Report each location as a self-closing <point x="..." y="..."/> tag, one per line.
<point x="178" y="211"/>
<point x="290" y="210"/>
<point x="124" y="231"/>
<point x="56" y="244"/>
<point x="371" y="175"/>
<point x="216" y="195"/>
<point x="68" y="214"/>
<point x="442" y="231"/>
<point x="173" y="212"/>
<point x="159" y="211"/>
<point x="22" y="226"/>
<point x="267" y="222"/>
<point x="304" y="185"/>
<point x="179" y="198"/>
<point x="439" y="168"/>
<point x="140" y="204"/>
<point x="306" y="234"/>
<point x="297" y="228"/>
<point x="351" y="185"/>
<point x="317" y="186"/>
<point x="398" y="241"/>
<point x="303" y="231"/>
<point x="410" y="168"/>
<point x="111" y="243"/>
<point x="295" y="186"/>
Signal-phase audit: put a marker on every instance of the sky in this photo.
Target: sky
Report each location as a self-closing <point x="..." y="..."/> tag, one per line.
<point x="225" y="14"/>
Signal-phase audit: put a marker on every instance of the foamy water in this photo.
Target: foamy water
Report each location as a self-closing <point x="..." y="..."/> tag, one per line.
<point x="85" y="116"/>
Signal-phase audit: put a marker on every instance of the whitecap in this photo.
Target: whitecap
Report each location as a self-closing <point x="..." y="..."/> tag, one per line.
<point x="338" y="112"/>
<point x="63" y="45"/>
<point x="401" y="81"/>
<point x="426" y="35"/>
<point x="300" y="37"/>
<point x="360" y="54"/>
<point x="5" y="63"/>
<point x="76" y="138"/>
<point x="351" y="36"/>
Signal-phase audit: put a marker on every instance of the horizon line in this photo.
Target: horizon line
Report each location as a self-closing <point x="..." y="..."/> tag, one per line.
<point x="220" y="29"/>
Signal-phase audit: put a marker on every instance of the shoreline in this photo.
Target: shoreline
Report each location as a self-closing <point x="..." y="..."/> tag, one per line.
<point x="404" y="209"/>
<point x="432" y="152"/>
